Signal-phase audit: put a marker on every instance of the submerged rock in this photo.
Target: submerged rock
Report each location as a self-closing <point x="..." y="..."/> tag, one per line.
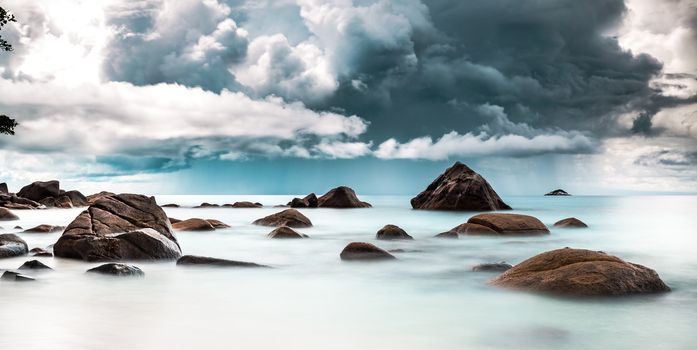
<point x="557" y="192"/>
<point x="510" y="224"/>
<point x="364" y="251"/>
<point x="11" y="245"/>
<point x="121" y="270"/>
<point x="119" y="227"/>
<point x="570" y="223"/>
<point x="285" y="232"/>
<point x="6" y="215"/>
<point x="170" y="205"/>
<point x="44" y="229"/>
<point x="492" y="267"/>
<point x="580" y="273"/>
<point x="34" y="265"/>
<point x="392" y="232"/>
<point x="194" y="260"/>
<point x="16" y="277"/>
<point x="194" y="224"/>
<point x="459" y="188"/>
<point x="341" y="197"/>
<point x="40" y="252"/>
<point x="288" y="217"/>
<point x="467" y="229"/>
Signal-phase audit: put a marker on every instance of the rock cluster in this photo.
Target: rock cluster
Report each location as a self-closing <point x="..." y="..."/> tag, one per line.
<point x="243" y="204"/>
<point x="48" y="193"/>
<point x="341" y="197"/>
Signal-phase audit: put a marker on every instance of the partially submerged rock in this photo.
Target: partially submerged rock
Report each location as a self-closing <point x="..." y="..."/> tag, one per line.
<point x="6" y="215"/>
<point x="364" y="251"/>
<point x="580" y="273"/>
<point x="392" y="232"/>
<point x="207" y="205"/>
<point x="217" y="224"/>
<point x="11" y="245"/>
<point x="3" y="188"/>
<point x="194" y="224"/>
<point x="492" y="267"/>
<point x="16" y="277"/>
<point x="557" y="192"/>
<point x="459" y="188"/>
<point x="341" y="197"/>
<point x="34" y="265"/>
<point x="44" y="229"/>
<point x="40" y="252"/>
<point x="288" y="217"/>
<point x="119" y="227"/>
<point x="309" y="201"/>
<point x="285" y="232"/>
<point x="193" y="260"/>
<point x="121" y="270"/>
<point x="170" y="205"/>
<point x="510" y="224"/>
<point x="570" y="223"/>
<point x="243" y="204"/>
<point x="467" y="229"/>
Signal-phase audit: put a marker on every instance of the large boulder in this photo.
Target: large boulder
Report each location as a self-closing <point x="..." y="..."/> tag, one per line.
<point x="341" y="197"/>
<point x="570" y="223"/>
<point x="581" y="273"/>
<point x="194" y="224"/>
<point x="288" y="217"/>
<point x="557" y="192"/>
<point x="7" y="215"/>
<point x="119" y="227"/>
<point x="510" y="224"/>
<point x="193" y="260"/>
<point x="459" y="188"/>
<point x="392" y="232"/>
<point x="467" y="229"/>
<point x="364" y="251"/>
<point x="285" y="232"/>
<point x="39" y="190"/>
<point x="11" y="245"/>
<point x="121" y="270"/>
<point x="217" y="223"/>
<point x="309" y="201"/>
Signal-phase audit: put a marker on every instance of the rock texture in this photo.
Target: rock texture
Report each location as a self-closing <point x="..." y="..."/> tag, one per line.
<point x="6" y="215"/>
<point x="459" y="188"/>
<point x="392" y="232"/>
<point x="309" y="201"/>
<point x="467" y="229"/>
<point x="570" y="223"/>
<point x="288" y="217"/>
<point x="285" y="232"/>
<point x="119" y="227"/>
<point x="510" y="224"/>
<point x="34" y="265"/>
<point x="76" y="198"/>
<point x="557" y="192"/>
<point x="11" y="245"/>
<point x="364" y="251"/>
<point x="44" y="229"/>
<point x="121" y="270"/>
<point x="193" y="260"/>
<point x="341" y="197"/>
<point x="194" y="224"/>
<point x="580" y="273"/>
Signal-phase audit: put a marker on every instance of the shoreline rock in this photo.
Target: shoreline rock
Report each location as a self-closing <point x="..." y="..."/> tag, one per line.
<point x="44" y="229"/>
<point x="194" y="224"/>
<point x="467" y="228"/>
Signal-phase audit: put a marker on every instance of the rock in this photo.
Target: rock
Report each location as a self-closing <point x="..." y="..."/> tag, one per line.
<point x="11" y="245"/>
<point x="580" y="273"/>
<point x="309" y="201"/>
<point x="63" y="202"/>
<point x="392" y="232"/>
<point x="39" y="190"/>
<point x="466" y="229"/>
<point x="364" y="251"/>
<point x="77" y="199"/>
<point x="91" y="199"/>
<point x="170" y="205"/>
<point x="217" y="223"/>
<point x="16" y="277"/>
<point x="207" y="205"/>
<point x="114" y="269"/>
<point x="18" y="227"/>
<point x="510" y="224"/>
<point x="119" y="227"/>
<point x="288" y="217"/>
<point x="459" y="188"/>
<point x="44" y="229"/>
<point x="6" y="215"/>
<point x="174" y="221"/>
<point x="11" y="201"/>
<point x="243" y="205"/>
<point x="40" y="252"/>
<point x="4" y="189"/>
<point x="34" y="265"/>
<point x="194" y="224"/>
<point x="193" y="260"/>
<point x="492" y="267"/>
<point x="558" y="192"/>
<point x="341" y="197"/>
<point x="570" y="223"/>
<point x="285" y="232"/>
<point x="448" y="234"/>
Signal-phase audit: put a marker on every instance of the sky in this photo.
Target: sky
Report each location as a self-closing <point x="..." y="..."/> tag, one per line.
<point x="298" y="96"/>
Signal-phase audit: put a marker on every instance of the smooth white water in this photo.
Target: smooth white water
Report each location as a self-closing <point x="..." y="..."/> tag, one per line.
<point x="428" y="298"/>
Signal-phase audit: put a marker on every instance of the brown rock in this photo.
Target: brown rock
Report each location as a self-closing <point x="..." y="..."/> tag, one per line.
<point x="459" y="188"/>
<point x="243" y="205"/>
<point x="174" y="221"/>
<point x="194" y="224"/>
<point x="217" y="223"/>
<point x="207" y="205"/>
<point x="492" y="267"/>
<point x="570" y="223"/>
<point x="309" y="201"/>
<point x="44" y="229"/>
<point x="77" y="199"/>
<point x="39" y="190"/>
<point x="341" y="197"/>
<point x="170" y="205"/>
<point x="11" y="245"/>
<point x="6" y="215"/>
<point x="11" y="201"/>
<point x="120" y="270"/>
<point x="63" y="202"/>
<point x="580" y="273"/>
<point x="467" y="229"/>
<point x="4" y="189"/>
<point x="193" y="260"/>
<point x="364" y="251"/>
<point x="284" y="232"/>
<point x="40" y="252"/>
<point x="91" y="199"/>
<point x="392" y="232"/>
<point x="288" y="217"/>
<point x="510" y="224"/>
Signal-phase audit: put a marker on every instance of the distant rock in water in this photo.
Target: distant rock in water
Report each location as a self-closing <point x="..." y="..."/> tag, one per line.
<point x="580" y="273"/>
<point x="194" y="224"/>
<point x="570" y="223"/>
<point x="285" y="232"/>
<point x="170" y="205"/>
<point x="341" y="197"/>
<point x="309" y="201"/>
<point x="492" y="267"/>
<point x="16" y="277"/>
<point x="243" y="204"/>
<point x="510" y="224"/>
<point x="121" y="270"/>
<point x="392" y="232"/>
<point x="288" y="217"/>
<point x="11" y="245"/>
<point x="44" y="229"/>
<point x="119" y="227"/>
<point x="459" y="188"/>
<point x="6" y="215"/>
<point x="364" y="251"/>
<point x="217" y="223"/>
<point x="558" y="192"/>
<point x="207" y="205"/>
<point x="193" y="260"/>
<point x="34" y="265"/>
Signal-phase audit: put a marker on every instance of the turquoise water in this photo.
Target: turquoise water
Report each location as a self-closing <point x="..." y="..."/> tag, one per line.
<point x="428" y="298"/>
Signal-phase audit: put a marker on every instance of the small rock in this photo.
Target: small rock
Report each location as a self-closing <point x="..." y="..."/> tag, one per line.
<point x="7" y="215"/>
<point x="309" y="201"/>
<point x="364" y="251"/>
<point x="341" y="197"/>
<point x="243" y="205"/>
<point x="392" y="232"/>
<point x="11" y="245"/>
<point x="40" y="252"/>
<point x="492" y="267"/>
<point x="16" y="277"/>
<point x="570" y="223"/>
<point x="44" y="229"/>
<point x="217" y="223"/>
<point x="288" y="217"/>
<point x="206" y="261"/>
<point x="170" y="205"/>
<point x="194" y="224"/>
<point x="34" y="265"/>
<point x="115" y="269"/>
<point x="285" y="232"/>
<point x="207" y="205"/>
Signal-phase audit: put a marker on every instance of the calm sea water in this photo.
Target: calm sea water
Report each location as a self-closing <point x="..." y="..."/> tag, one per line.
<point x="428" y="299"/>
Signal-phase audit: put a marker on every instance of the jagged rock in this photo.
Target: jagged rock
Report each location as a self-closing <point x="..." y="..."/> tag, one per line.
<point x="34" y="265"/>
<point x="11" y="245"/>
<point x="170" y="205"/>
<point x="119" y="227"/>
<point x="492" y="267"/>
<point x="44" y="229"/>
<point x="309" y="201"/>
<point x="288" y="217"/>
<point x="39" y="190"/>
<point x="392" y="232"/>
<point x="510" y="224"/>
<point x="6" y="215"/>
<point x="285" y="232"/>
<point x="466" y="229"/>
<point x="459" y="188"/>
<point x="243" y="205"/>
<point x="341" y="197"/>
<point x="570" y="223"/>
<point x="194" y="224"/>
<point x="193" y="260"/>
<point x="558" y="192"/>
<point x="121" y="270"/>
<point x="580" y="273"/>
<point x="91" y="199"/>
<point x="16" y="277"/>
<point x="364" y="251"/>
